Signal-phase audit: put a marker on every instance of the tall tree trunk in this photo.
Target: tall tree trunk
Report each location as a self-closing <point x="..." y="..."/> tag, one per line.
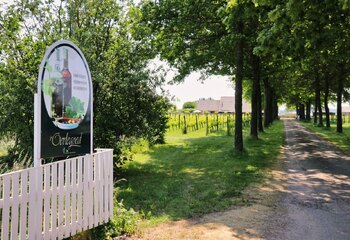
<point x="317" y="99"/>
<point x="318" y="96"/>
<point x="315" y="106"/>
<point x="268" y="103"/>
<point x="238" y="90"/>
<point x="254" y="115"/>
<point x="297" y="110"/>
<point x="274" y="107"/>
<point x="339" y="98"/>
<point x="260" y="115"/>
<point x="308" y="110"/>
<point x="302" y="111"/>
<point x="326" y="108"/>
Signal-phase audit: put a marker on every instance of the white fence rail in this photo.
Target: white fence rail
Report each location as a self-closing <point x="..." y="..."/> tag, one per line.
<point x="57" y="200"/>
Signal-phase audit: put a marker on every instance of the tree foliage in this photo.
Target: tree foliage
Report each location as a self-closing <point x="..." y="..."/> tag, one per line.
<point x="126" y="104"/>
<point x="189" y="105"/>
<point x="309" y="40"/>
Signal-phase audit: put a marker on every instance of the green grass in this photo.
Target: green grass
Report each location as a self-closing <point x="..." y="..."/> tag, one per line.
<point x="341" y="140"/>
<point x="7" y="164"/>
<point x="3" y="156"/>
<point x="195" y="174"/>
<point x="3" y="149"/>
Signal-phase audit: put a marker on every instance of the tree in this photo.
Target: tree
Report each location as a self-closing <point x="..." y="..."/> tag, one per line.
<point x="312" y="40"/>
<point x="126" y="105"/>
<point x="189" y="105"/>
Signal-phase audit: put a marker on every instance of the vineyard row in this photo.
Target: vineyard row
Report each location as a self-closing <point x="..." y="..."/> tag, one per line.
<point x="211" y="122"/>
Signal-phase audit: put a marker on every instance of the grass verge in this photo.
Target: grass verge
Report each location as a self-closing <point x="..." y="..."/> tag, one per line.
<point x="3" y="148"/>
<point x="195" y="174"/>
<point x="3" y="156"/>
<point x="341" y="140"/>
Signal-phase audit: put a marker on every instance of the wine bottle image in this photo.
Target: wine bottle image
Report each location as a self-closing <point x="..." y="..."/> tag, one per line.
<point x="57" y="95"/>
<point x="67" y="81"/>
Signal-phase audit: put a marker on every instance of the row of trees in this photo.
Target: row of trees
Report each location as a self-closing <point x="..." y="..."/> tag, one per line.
<point x="278" y="51"/>
<point x="318" y="65"/>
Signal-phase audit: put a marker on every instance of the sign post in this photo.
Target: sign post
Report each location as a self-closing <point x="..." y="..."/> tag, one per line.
<point x="63" y="110"/>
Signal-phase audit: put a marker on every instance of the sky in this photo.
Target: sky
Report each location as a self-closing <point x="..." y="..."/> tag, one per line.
<point x="192" y="89"/>
<point x="194" y="85"/>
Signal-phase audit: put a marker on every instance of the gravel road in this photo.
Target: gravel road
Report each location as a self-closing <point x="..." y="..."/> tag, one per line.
<point x="315" y="203"/>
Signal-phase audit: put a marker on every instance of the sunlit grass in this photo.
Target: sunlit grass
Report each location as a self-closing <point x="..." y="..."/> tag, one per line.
<point x="3" y="149"/>
<point x="3" y="156"/>
<point x="341" y="140"/>
<point x="195" y="174"/>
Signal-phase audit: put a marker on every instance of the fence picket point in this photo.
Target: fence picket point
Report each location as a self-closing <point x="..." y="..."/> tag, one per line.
<point x="59" y="199"/>
<point x="106" y="215"/>
<point x="6" y="208"/>
<point x="79" y="194"/>
<point x="67" y="210"/>
<point x="15" y="205"/>
<point x="47" y="199"/>
<point x="74" y="195"/>
<point x="100" y="204"/>
<point x="96" y="190"/>
<point x="54" y="201"/>
<point x="24" y="204"/>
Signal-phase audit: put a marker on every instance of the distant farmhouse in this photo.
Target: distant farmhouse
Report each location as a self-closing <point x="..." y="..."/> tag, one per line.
<point x="345" y="109"/>
<point x="224" y="105"/>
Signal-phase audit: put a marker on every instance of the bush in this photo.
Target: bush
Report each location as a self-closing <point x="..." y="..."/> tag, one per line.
<point x="125" y="221"/>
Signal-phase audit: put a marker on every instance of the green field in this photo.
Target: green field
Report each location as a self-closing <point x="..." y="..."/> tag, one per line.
<point x="195" y="174"/>
<point x="3" y="155"/>
<point x="341" y="140"/>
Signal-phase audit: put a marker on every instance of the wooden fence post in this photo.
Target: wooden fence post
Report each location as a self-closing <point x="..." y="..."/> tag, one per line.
<point x="228" y="124"/>
<point x="185" y="125"/>
<point x="217" y="122"/>
<point x="207" y="124"/>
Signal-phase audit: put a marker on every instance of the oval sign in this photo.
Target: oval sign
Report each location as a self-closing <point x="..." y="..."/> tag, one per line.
<point x="66" y="101"/>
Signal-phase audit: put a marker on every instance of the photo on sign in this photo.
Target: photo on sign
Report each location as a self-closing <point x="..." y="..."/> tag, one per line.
<point x="65" y="88"/>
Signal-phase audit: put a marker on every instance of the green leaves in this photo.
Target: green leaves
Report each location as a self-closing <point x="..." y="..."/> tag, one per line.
<point x="345" y="4"/>
<point x="75" y="108"/>
<point x="48" y="68"/>
<point x="47" y="87"/>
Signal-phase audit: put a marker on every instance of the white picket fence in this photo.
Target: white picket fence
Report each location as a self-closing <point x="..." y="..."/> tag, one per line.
<point x="57" y="200"/>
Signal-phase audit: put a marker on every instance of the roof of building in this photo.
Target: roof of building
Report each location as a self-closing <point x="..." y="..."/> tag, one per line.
<point x="209" y="105"/>
<point x="225" y="104"/>
<point x="345" y="108"/>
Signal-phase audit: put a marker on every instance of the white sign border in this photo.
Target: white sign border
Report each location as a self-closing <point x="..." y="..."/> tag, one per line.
<point x="37" y="100"/>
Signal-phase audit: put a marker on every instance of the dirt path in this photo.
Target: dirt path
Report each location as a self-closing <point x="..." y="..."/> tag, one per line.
<point x="317" y="196"/>
<point x="309" y="199"/>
